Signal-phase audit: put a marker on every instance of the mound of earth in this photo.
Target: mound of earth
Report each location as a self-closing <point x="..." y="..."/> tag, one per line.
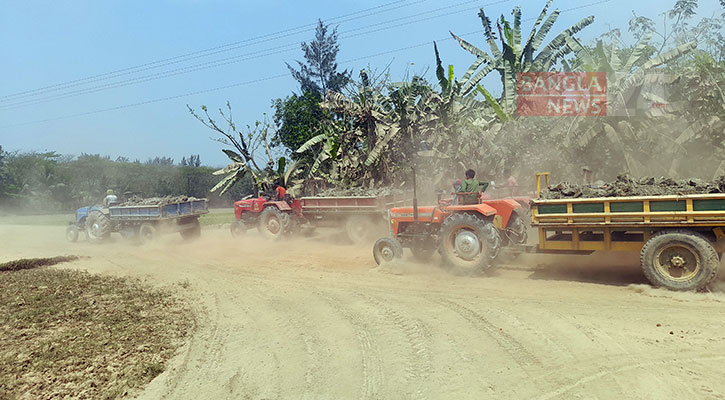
<point x="624" y="186"/>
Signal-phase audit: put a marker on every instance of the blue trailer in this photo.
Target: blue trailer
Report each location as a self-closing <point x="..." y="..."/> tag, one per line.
<point x="143" y="221"/>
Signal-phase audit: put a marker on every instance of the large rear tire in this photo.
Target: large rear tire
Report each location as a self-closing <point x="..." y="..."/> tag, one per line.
<point x="679" y="260"/>
<point x="98" y="227"/>
<point x="386" y="250"/>
<point x="469" y="244"/>
<point x="516" y="230"/>
<point x="273" y="223"/>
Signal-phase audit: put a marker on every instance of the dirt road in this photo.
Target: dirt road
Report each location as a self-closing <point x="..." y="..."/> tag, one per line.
<point x="310" y="319"/>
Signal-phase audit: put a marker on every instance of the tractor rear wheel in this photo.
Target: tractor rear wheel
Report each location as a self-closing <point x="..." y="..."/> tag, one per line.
<point x="679" y="260"/>
<point x="516" y="230"/>
<point x="273" y="223"/>
<point x="98" y="227"/>
<point x="469" y="244"/>
<point x="387" y="250"/>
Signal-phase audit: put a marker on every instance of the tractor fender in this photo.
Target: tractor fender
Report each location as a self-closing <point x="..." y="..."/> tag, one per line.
<point x="483" y="209"/>
<point x="504" y="208"/>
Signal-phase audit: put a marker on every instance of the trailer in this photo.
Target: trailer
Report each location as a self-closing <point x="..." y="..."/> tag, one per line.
<point x="356" y="215"/>
<point x="680" y="238"/>
<point x="143" y="222"/>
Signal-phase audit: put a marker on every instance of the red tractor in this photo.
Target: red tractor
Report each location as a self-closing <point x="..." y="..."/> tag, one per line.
<point x="272" y="217"/>
<point x="467" y="236"/>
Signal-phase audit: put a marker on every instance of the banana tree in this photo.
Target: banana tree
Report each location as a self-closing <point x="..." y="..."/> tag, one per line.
<point x="514" y="55"/>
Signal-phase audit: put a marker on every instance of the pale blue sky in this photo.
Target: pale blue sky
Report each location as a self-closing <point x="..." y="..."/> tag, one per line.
<point x="45" y="43"/>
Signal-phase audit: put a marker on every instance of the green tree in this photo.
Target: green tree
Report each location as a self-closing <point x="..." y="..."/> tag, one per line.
<point x="298" y="118"/>
<point x="319" y="73"/>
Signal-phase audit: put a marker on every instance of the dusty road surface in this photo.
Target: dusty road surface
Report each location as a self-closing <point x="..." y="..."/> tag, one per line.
<point x="310" y="319"/>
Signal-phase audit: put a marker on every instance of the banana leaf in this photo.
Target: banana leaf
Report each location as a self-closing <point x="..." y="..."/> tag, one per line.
<point x="527" y="55"/>
<point x="554" y="46"/>
<point x="639" y="49"/>
<point x="233" y="155"/>
<point x="488" y="32"/>
<point x="313" y="141"/>
<point x="502" y="115"/>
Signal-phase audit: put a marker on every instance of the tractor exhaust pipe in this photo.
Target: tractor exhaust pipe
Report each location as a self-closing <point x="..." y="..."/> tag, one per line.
<point x="415" y="198"/>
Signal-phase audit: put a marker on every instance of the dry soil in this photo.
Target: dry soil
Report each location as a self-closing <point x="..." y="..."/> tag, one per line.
<point x="312" y="319"/>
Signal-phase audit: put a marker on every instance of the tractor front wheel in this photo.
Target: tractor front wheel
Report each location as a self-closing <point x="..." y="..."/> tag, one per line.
<point x="469" y="244"/>
<point x="238" y="228"/>
<point x="386" y="250"/>
<point x="71" y="233"/>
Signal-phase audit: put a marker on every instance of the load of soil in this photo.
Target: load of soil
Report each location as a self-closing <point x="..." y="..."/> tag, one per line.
<point x="360" y="192"/>
<point x="624" y="186"/>
<point x="154" y="201"/>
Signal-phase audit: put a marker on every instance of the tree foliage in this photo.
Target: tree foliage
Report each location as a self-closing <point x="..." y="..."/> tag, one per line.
<point x="319" y="73"/>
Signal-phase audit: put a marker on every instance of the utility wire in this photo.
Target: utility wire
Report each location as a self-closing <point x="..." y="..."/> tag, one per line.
<point x="242" y="57"/>
<point x="210" y="51"/>
<point x="427" y="43"/>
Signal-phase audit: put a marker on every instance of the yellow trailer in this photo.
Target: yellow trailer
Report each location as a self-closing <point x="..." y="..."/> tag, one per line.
<point x="680" y="238"/>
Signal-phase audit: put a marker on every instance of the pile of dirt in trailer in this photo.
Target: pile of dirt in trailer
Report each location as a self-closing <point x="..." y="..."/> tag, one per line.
<point x="160" y="201"/>
<point x="360" y="192"/>
<point x="624" y="186"/>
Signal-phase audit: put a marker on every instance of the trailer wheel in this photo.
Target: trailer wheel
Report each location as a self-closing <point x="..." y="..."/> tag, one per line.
<point x="273" y="223"/>
<point x="71" y="233"/>
<point x="238" y="228"/>
<point x="679" y="260"/>
<point x="469" y="244"/>
<point x="193" y="232"/>
<point x="147" y="233"/>
<point x="386" y="250"/>
<point x="98" y="227"/>
<point x="358" y="229"/>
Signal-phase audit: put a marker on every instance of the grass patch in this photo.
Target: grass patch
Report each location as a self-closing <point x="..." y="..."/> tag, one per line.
<point x="217" y="216"/>
<point x="29" y="263"/>
<point x="70" y="334"/>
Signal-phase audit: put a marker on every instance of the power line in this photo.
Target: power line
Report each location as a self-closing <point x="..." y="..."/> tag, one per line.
<point x="427" y="43"/>
<point x="209" y="51"/>
<point x="241" y="57"/>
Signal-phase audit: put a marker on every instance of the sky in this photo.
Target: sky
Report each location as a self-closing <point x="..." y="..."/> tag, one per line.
<point x="114" y="77"/>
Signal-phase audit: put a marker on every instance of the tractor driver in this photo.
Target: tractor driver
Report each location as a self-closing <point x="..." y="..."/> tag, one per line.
<point x="471" y="186"/>
<point x="280" y="191"/>
<point x="110" y="198"/>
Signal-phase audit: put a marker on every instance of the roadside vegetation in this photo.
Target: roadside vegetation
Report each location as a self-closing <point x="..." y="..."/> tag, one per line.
<point x="70" y="334"/>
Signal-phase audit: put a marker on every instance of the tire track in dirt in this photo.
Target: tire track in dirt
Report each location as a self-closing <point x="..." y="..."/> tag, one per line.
<point x="513" y="347"/>
<point x="627" y="367"/>
<point x="370" y="359"/>
<point x="417" y="336"/>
